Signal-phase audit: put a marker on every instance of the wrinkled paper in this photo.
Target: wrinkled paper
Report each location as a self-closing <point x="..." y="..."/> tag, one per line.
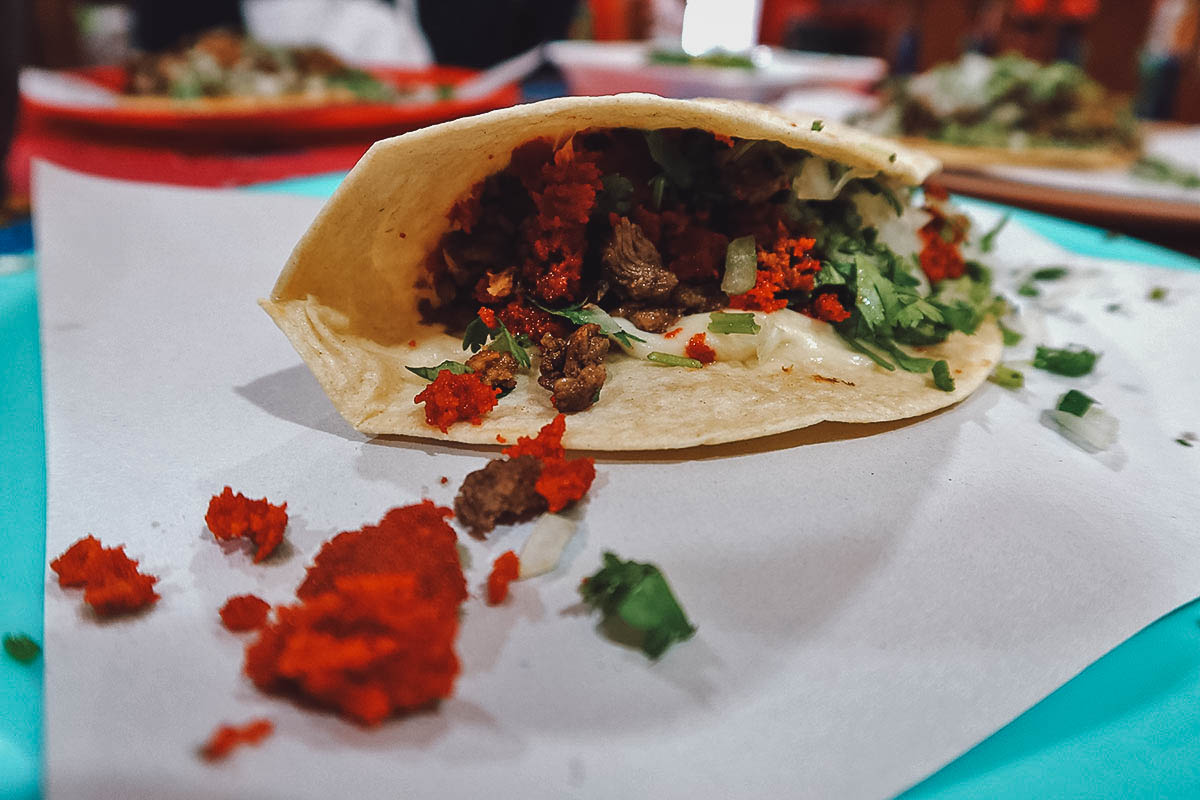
<point x="871" y="600"/>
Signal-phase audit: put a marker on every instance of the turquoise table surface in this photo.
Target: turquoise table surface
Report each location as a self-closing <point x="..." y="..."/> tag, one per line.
<point x="1128" y="726"/>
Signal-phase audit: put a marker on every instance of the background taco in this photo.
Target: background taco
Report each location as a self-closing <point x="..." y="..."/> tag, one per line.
<point x="827" y="293"/>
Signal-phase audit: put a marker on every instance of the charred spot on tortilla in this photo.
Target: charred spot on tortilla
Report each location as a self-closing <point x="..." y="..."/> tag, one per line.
<point x="604" y="242"/>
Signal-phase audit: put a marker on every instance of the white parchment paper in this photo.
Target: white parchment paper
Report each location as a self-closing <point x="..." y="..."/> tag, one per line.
<point x="869" y="606"/>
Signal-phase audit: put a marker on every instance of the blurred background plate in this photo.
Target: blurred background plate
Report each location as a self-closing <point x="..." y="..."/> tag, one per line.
<point x="610" y="67"/>
<point x="267" y="122"/>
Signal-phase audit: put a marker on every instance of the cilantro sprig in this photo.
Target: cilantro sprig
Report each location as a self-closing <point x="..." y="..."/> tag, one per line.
<point x="21" y="648"/>
<point x="431" y="373"/>
<point x="1065" y="361"/>
<point x="477" y="334"/>
<point x="987" y="242"/>
<point x="638" y="597"/>
<point x="588" y="314"/>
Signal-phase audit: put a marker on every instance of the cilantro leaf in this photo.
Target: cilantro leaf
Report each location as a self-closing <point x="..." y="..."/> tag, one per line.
<point x="638" y="596"/>
<point x="1157" y="293"/>
<point x="726" y="322"/>
<point x="987" y="242"/>
<point x="1050" y="273"/>
<point x="1011" y="337"/>
<point x="477" y="334"/>
<point x="1072" y="363"/>
<point x="941" y="376"/>
<point x="617" y="194"/>
<point x="431" y="373"/>
<point x="21" y="648"/>
<point x="1027" y="289"/>
<point x="589" y="314"/>
<point x="818" y="125"/>
<point x="1075" y="402"/>
<point x="907" y="363"/>
<point x="1007" y="377"/>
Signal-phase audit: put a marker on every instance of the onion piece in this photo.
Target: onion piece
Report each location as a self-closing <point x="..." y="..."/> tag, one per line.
<point x="1096" y="430"/>
<point x="544" y="547"/>
<point x="741" y="266"/>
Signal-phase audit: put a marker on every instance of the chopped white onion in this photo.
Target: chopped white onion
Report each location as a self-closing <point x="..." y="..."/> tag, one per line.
<point x="1096" y="430"/>
<point x="545" y="545"/>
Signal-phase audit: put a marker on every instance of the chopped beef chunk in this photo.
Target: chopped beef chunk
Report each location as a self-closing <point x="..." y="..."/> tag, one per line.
<point x="494" y="368"/>
<point x="654" y="320"/>
<point x="633" y="263"/>
<point x="573" y="369"/>
<point x="696" y="299"/>
<point x="501" y="493"/>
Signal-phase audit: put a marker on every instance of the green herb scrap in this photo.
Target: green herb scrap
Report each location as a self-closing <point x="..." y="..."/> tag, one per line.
<point x="818" y="125"/>
<point x="987" y="242"/>
<point x="1187" y="439"/>
<point x="1163" y="171"/>
<point x="1007" y="377"/>
<point x="1050" y="273"/>
<point x="637" y="597"/>
<point x="1072" y="363"/>
<point x="21" y="648"/>
<point x="668" y="360"/>
<point x="477" y="335"/>
<point x="1011" y="338"/>
<point x="582" y="314"/>
<point x="1075" y="402"/>
<point x="431" y="373"/>
<point x="941" y="376"/>
<point x="1158" y="293"/>
<point x="726" y="322"/>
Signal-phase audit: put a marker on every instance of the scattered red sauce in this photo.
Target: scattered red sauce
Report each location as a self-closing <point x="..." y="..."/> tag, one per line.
<point x="488" y="317"/>
<point x="373" y="633"/>
<point x="940" y="256"/>
<point x="697" y="348"/>
<point x="827" y="307"/>
<point x="562" y="184"/>
<point x="562" y="482"/>
<point x="412" y="342"/>
<point x="520" y="317"/>
<point x="244" y="612"/>
<point x="547" y="444"/>
<point x="454" y="398"/>
<point x="725" y="140"/>
<point x="500" y="439"/>
<point x="232" y="516"/>
<point x="443" y="480"/>
<point x="110" y="579"/>
<point x="785" y="266"/>
<point x="413" y="538"/>
<point x="227" y="737"/>
<point x="671" y="334"/>
<point x="504" y="571"/>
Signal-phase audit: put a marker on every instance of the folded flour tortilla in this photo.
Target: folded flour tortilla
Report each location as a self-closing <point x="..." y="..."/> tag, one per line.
<point x="348" y="297"/>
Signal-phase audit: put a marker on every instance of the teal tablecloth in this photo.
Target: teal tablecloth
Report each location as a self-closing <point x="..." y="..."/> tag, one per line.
<point x="1128" y="726"/>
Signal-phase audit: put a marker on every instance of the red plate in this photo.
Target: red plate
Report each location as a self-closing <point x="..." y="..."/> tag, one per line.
<point x="271" y="123"/>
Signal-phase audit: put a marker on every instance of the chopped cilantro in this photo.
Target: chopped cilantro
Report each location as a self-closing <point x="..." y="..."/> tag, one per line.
<point x="1071" y="363"/>
<point x="638" y="597"/>
<point x="724" y="322"/>
<point x="1007" y="377"/>
<point x="892" y="158"/>
<point x="904" y="360"/>
<point x="1157" y="293"/>
<point x="1075" y="402"/>
<point x="818" y="125"/>
<point x="941" y="376"/>
<point x="1011" y="337"/>
<point x="1027" y="289"/>
<point x="987" y="242"/>
<point x="589" y="314"/>
<point x="668" y="360"/>
<point x="1112" y="308"/>
<point x="21" y="648"/>
<point x="431" y="373"/>
<point x="1183" y="440"/>
<point x="1050" y="273"/>
<point x="477" y="334"/>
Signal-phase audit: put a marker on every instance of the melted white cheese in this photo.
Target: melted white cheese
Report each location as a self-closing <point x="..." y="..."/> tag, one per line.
<point x="785" y="336"/>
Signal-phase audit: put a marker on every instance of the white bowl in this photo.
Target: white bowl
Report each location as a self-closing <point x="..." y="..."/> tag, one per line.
<point x="593" y="68"/>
